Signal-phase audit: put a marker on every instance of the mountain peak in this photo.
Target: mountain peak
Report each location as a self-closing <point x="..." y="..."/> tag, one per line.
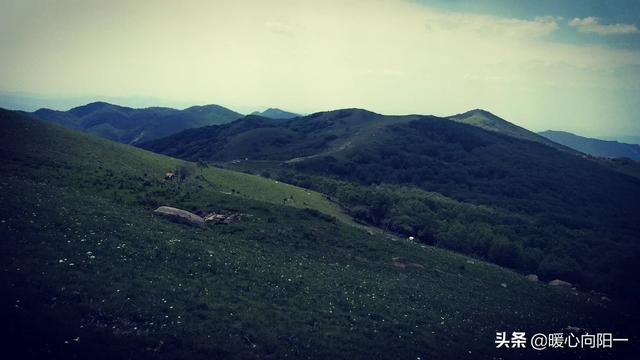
<point x="95" y="106"/>
<point x="204" y="107"/>
<point x="275" y="113"/>
<point x="491" y="122"/>
<point x="478" y="112"/>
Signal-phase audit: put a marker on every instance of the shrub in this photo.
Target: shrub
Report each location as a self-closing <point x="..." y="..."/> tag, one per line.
<point x="506" y="253"/>
<point x="563" y="268"/>
<point x="185" y="170"/>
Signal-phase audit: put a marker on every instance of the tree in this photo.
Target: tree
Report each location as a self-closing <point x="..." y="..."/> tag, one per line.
<point x="506" y="253"/>
<point x="202" y="165"/>
<point x="185" y="170"/>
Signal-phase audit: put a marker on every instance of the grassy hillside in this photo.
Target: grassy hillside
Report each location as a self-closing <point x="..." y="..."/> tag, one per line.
<point x="571" y="217"/>
<point x="88" y="270"/>
<point x="271" y="191"/>
<point x="128" y="125"/>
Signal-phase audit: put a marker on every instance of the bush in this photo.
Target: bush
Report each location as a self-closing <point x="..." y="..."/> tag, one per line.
<point x="185" y="170"/>
<point x="564" y="268"/>
<point x="506" y="253"/>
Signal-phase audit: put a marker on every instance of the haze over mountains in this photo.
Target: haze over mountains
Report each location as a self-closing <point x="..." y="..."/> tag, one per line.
<point x="595" y="147"/>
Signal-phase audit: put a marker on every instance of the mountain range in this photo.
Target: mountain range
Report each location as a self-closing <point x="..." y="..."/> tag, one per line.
<point x="131" y="126"/>
<point x="594" y="147"/>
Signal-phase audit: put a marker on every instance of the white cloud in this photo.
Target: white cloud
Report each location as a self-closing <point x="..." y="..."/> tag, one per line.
<point x="279" y="27"/>
<point x="492" y="25"/>
<point x="592" y="25"/>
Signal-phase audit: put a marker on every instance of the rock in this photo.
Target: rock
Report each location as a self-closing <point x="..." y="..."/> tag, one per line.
<point x="222" y="217"/>
<point x="180" y="215"/>
<point x="558" y="282"/>
<point x="532" y="277"/>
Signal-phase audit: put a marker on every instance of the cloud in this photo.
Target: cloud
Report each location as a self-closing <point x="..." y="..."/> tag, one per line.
<point x="493" y="25"/>
<point x="279" y="27"/>
<point x="389" y="56"/>
<point x="592" y="25"/>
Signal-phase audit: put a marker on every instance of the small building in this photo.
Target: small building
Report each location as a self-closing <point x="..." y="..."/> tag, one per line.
<point x="170" y="176"/>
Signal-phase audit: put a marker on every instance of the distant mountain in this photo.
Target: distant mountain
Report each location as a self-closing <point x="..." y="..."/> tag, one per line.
<point x="595" y="147"/>
<point x="131" y="126"/>
<point x="624" y="139"/>
<point x="488" y="121"/>
<point x="275" y="113"/>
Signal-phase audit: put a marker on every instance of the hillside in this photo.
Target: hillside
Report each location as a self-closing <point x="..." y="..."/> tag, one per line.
<point x="594" y="147"/>
<point x="90" y="271"/>
<point x="625" y="139"/>
<point x="130" y="126"/>
<point x="275" y="113"/>
<point x="488" y="121"/>
<point x="516" y="202"/>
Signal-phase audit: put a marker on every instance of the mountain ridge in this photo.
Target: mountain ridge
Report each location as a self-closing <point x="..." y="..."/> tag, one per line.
<point x="132" y="125"/>
<point x="489" y="121"/>
<point x="593" y="146"/>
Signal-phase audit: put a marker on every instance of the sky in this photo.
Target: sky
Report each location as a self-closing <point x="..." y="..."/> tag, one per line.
<point x="562" y="65"/>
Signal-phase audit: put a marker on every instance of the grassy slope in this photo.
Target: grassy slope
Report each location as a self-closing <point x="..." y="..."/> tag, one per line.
<point x="594" y="208"/>
<point x="63" y="145"/>
<point x="84" y="258"/>
<point x="272" y="191"/>
<point x="488" y="121"/>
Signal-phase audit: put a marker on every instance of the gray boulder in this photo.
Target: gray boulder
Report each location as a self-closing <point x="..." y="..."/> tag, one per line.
<point x="558" y="282"/>
<point x="181" y="216"/>
<point x="532" y="277"/>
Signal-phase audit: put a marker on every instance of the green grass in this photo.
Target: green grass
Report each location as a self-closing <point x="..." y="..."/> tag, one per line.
<point x="84" y="258"/>
<point x="272" y="191"/>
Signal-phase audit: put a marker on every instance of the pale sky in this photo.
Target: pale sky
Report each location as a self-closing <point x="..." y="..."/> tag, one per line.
<point x="540" y="66"/>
